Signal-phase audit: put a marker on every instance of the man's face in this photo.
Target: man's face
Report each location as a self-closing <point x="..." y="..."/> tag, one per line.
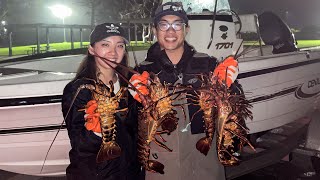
<point x="173" y="38"/>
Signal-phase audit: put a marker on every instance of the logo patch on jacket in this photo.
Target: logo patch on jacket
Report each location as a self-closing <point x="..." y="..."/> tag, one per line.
<point x="146" y="63"/>
<point x="193" y="80"/>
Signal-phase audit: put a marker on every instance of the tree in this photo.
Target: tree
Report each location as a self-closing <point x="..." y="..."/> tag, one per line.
<point x="3" y="9"/>
<point x="92" y="5"/>
<point x="104" y="10"/>
<point x="139" y="9"/>
<point x="3" y="16"/>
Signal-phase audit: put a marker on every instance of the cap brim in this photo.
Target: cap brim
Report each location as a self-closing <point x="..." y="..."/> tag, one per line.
<point x="175" y="13"/>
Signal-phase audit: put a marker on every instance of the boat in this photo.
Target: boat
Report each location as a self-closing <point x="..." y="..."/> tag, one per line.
<point x="282" y="87"/>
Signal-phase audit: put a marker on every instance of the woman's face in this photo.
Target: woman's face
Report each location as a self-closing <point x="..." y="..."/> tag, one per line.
<point x="111" y="48"/>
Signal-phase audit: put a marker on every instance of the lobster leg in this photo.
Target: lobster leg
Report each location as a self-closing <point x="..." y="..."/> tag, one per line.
<point x="163" y="132"/>
<point x="244" y="128"/>
<point x="162" y="145"/>
<point x="242" y="138"/>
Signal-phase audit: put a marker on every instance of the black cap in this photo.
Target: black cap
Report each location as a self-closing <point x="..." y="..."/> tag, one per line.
<point x="170" y="8"/>
<point x="105" y="30"/>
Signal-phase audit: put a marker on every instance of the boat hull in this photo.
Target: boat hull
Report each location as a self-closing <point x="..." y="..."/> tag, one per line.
<point x="281" y="88"/>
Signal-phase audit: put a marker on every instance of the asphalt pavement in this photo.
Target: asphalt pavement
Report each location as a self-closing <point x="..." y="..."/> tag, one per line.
<point x="4" y="175"/>
<point x="301" y="167"/>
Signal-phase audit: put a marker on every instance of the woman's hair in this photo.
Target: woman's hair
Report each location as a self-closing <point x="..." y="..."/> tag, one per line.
<point x="88" y="68"/>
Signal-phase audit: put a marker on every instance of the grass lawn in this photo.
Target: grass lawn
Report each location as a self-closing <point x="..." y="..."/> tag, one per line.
<point x="301" y="43"/>
<point x="308" y="43"/>
<point x="24" y="50"/>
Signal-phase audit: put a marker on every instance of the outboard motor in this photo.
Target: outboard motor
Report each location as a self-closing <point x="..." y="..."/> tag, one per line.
<point x="275" y="32"/>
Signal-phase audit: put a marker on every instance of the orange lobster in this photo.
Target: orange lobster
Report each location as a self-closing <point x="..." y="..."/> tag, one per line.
<point x="107" y="106"/>
<point x="157" y="112"/>
<point x="224" y="112"/>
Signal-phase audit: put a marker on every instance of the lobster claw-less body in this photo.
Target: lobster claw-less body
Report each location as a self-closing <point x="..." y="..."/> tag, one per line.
<point x="231" y="128"/>
<point x="107" y="106"/>
<point x="157" y="112"/>
<point x="231" y="111"/>
<point x="206" y="105"/>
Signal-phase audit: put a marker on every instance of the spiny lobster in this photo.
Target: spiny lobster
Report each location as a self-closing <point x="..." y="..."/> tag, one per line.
<point x="225" y="112"/>
<point x="157" y="112"/>
<point x="107" y="106"/>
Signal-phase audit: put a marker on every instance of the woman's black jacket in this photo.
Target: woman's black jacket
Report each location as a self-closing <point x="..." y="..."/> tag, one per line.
<point x="85" y="144"/>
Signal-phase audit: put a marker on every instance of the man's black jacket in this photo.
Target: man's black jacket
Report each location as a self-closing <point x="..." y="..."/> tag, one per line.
<point x="187" y="69"/>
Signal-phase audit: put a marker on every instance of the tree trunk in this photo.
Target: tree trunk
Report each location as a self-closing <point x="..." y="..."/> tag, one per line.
<point x="92" y="16"/>
<point x="146" y="29"/>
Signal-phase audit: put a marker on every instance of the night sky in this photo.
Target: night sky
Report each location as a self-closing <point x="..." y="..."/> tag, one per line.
<point x="297" y="13"/>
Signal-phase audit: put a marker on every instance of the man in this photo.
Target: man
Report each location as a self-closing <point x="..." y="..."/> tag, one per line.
<point x="175" y="61"/>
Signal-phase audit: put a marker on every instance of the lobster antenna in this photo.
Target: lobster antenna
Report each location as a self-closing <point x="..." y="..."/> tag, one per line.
<point x="225" y="81"/>
<point x="246" y="50"/>
<point x="236" y="54"/>
<point x="118" y="64"/>
<point x="107" y="61"/>
<point x="61" y="125"/>
<point x="213" y="23"/>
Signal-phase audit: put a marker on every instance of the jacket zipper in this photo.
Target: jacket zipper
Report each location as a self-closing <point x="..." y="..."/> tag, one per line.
<point x="180" y="75"/>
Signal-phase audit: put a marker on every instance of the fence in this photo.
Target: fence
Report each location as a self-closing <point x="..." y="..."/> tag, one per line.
<point x="133" y="27"/>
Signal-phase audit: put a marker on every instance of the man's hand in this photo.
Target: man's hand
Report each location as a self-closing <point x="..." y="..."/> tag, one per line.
<point x="91" y="117"/>
<point x="229" y="66"/>
<point x="139" y="82"/>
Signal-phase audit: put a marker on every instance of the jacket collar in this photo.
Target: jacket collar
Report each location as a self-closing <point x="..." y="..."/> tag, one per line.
<point x="158" y="56"/>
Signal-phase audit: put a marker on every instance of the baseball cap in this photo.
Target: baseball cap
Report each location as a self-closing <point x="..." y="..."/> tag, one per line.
<point x="105" y="30"/>
<point x="170" y="8"/>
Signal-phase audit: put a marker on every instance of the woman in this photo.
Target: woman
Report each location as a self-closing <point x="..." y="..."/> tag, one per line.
<point x="106" y="41"/>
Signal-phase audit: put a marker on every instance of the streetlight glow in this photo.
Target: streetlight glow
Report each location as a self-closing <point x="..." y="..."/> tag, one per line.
<point x="61" y="11"/>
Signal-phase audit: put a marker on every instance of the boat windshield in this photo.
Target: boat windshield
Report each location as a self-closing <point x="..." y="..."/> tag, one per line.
<point x="201" y="6"/>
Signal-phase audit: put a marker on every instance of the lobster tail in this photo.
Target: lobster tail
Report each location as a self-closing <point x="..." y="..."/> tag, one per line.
<point x="203" y="145"/>
<point x="108" y="151"/>
<point x="155" y="166"/>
